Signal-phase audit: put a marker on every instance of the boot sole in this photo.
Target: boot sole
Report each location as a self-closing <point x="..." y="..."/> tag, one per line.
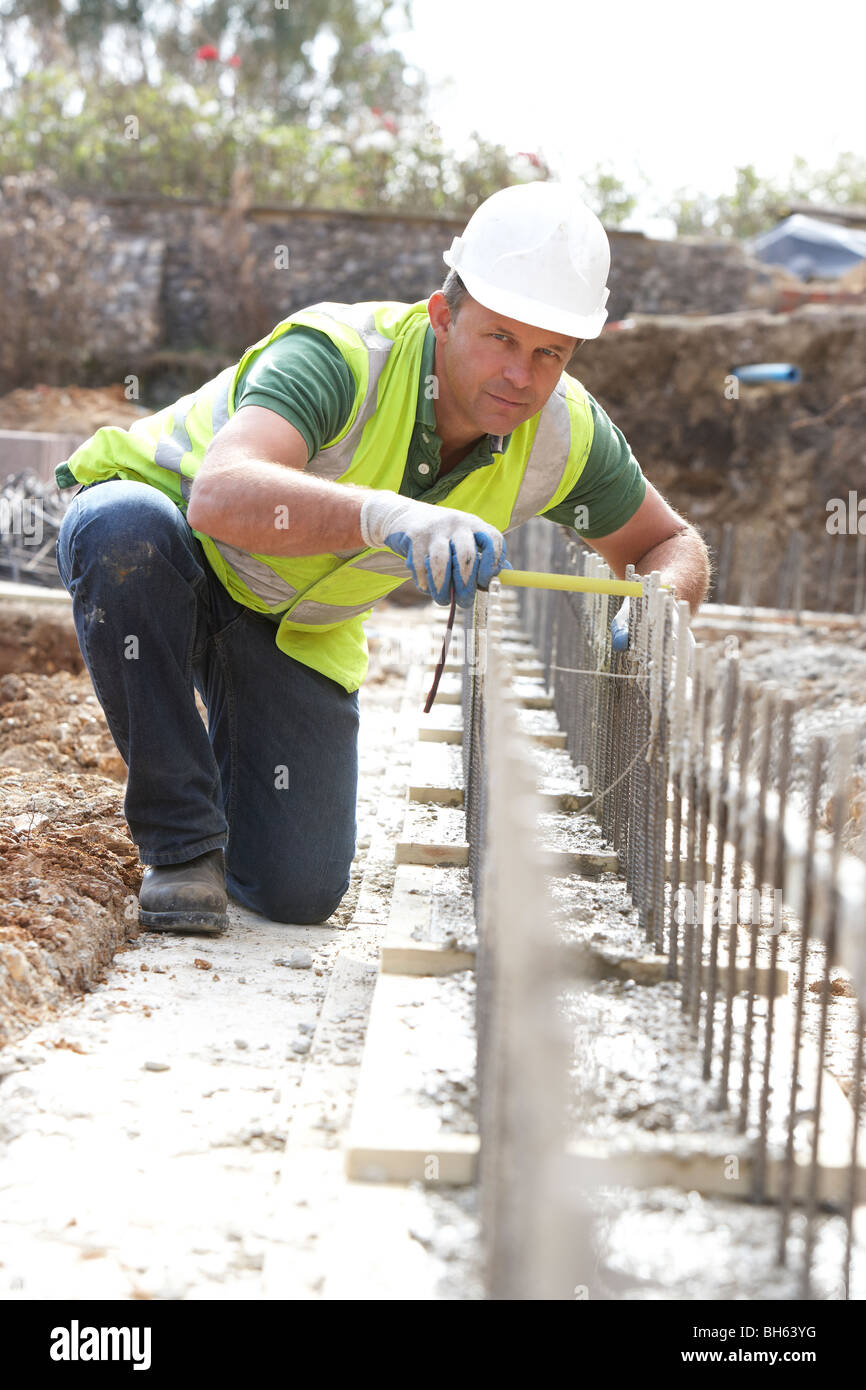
<point x="213" y="923"/>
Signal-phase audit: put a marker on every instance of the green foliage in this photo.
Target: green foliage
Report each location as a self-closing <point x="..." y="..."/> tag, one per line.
<point x="691" y="213"/>
<point x="843" y="183"/>
<point x="308" y="100"/>
<point x="751" y="207"/>
<point x="608" y="196"/>
<point x="179" y="140"/>
<point x="755" y="204"/>
<point x="304" y="61"/>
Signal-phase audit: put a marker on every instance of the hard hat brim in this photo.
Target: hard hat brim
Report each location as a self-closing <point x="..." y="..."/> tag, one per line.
<point x="529" y="311"/>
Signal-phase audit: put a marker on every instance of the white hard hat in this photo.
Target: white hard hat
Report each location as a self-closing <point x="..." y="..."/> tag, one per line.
<point x="537" y="253"/>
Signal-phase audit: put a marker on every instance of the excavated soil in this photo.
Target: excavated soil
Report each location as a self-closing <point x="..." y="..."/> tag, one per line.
<point x="772" y="453"/>
<point x="68" y="868"/>
<point x="67" y="409"/>
<point x="53" y="723"/>
<point x="37" y="638"/>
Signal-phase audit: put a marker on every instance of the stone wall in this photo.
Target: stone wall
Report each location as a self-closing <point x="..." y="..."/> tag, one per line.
<point x="187" y="272"/>
<point x="168" y="291"/>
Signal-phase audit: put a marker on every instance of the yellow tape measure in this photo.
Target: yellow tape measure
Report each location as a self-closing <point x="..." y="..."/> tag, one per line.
<point x="578" y="583"/>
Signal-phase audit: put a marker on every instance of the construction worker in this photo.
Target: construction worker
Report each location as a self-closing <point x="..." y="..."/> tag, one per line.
<point x="249" y="528"/>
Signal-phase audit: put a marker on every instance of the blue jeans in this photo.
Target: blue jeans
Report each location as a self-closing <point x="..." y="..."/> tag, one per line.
<point x="273" y="778"/>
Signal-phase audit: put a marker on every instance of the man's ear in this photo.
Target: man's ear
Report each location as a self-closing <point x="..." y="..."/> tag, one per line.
<point x="440" y="314"/>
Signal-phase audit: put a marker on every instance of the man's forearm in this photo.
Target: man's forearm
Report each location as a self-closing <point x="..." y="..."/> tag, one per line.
<point x="684" y="563"/>
<point x="269" y="509"/>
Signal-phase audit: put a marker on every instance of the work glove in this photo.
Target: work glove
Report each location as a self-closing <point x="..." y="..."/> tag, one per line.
<point x="441" y="547"/>
<point x="619" y="628"/>
<point x="619" y="634"/>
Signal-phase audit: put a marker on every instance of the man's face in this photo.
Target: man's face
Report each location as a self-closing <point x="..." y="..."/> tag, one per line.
<point x="499" y="372"/>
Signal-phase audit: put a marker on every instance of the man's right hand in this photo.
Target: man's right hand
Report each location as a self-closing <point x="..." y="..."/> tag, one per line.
<point x="440" y="546"/>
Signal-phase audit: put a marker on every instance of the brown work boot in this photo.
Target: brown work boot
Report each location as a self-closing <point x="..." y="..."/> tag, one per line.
<point x="185" y="897"/>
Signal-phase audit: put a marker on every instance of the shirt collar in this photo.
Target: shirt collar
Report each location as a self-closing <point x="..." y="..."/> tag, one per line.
<point x="425" y="412"/>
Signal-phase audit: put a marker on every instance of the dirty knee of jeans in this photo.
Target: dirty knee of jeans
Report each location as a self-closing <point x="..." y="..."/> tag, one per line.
<point x="126" y="562"/>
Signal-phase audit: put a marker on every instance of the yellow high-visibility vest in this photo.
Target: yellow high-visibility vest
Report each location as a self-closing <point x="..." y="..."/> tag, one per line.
<point x="324" y="598"/>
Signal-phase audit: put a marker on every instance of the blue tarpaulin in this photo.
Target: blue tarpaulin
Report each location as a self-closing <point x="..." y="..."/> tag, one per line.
<point x="809" y="247"/>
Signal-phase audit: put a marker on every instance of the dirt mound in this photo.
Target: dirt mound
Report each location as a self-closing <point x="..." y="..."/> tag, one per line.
<point x="68" y="868"/>
<point x="722" y="450"/>
<point x="36" y="637"/>
<point x="67" y="409"/>
<point x="829" y="446"/>
<point x="68" y="876"/>
<point x="54" y="723"/>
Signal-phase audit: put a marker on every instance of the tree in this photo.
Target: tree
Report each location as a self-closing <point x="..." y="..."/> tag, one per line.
<point x="178" y="140"/>
<point x="755" y="203"/>
<point x="691" y="213"/>
<point x="750" y="208"/>
<point x="843" y="183"/>
<point x="310" y="60"/>
<point x="608" y="196"/>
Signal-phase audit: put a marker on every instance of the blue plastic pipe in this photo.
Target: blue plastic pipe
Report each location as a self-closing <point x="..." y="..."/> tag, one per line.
<point x="768" y="371"/>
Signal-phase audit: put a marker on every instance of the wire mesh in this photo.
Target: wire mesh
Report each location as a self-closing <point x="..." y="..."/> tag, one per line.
<point x="689" y="769"/>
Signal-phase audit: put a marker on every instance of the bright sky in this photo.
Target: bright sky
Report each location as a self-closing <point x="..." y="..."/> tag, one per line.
<point x="679" y="90"/>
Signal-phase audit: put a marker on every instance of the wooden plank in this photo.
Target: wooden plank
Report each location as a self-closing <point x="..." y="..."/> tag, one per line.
<point x="446" y="696"/>
<point x="528" y="667"/>
<point x="564" y="801"/>
<point x="414" y="1039"/>
<point x="414" y="943"/>
<point x="728" y="1171"/>
<point x="429" y="733"/>
<point x="540" y="701"/>
<point x="372" y="906"/>
<point x="410" y="957"/>
<point x="588" y="962"/>
<point x="306" y="1204"/>
<point x="415" y="852"/>
<point x="552" y="738"/>
<point x="453" y="734"/>
<point x="561" y="863"/>
<point x="436" y="774"/>
<point x="442" y="796"/>
<point x="387" y="1157"/>
<point x="412" y="902"/>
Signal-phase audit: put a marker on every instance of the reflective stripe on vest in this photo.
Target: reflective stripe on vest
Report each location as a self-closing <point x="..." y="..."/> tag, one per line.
<point x="321" y="597"/>
<point x="172" y="448"/>
<point x="543" y="472"/>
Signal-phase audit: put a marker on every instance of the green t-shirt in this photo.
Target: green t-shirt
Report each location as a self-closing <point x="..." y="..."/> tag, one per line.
<point x="305" y="379"/>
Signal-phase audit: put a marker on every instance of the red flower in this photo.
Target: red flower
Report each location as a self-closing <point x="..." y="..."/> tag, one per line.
<point x="376" y="110"/>
<point x="390" y="125"/>
<point x="533" y="158"/>
<point x="207" y="53"/>
<point x="234" y="61"/>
